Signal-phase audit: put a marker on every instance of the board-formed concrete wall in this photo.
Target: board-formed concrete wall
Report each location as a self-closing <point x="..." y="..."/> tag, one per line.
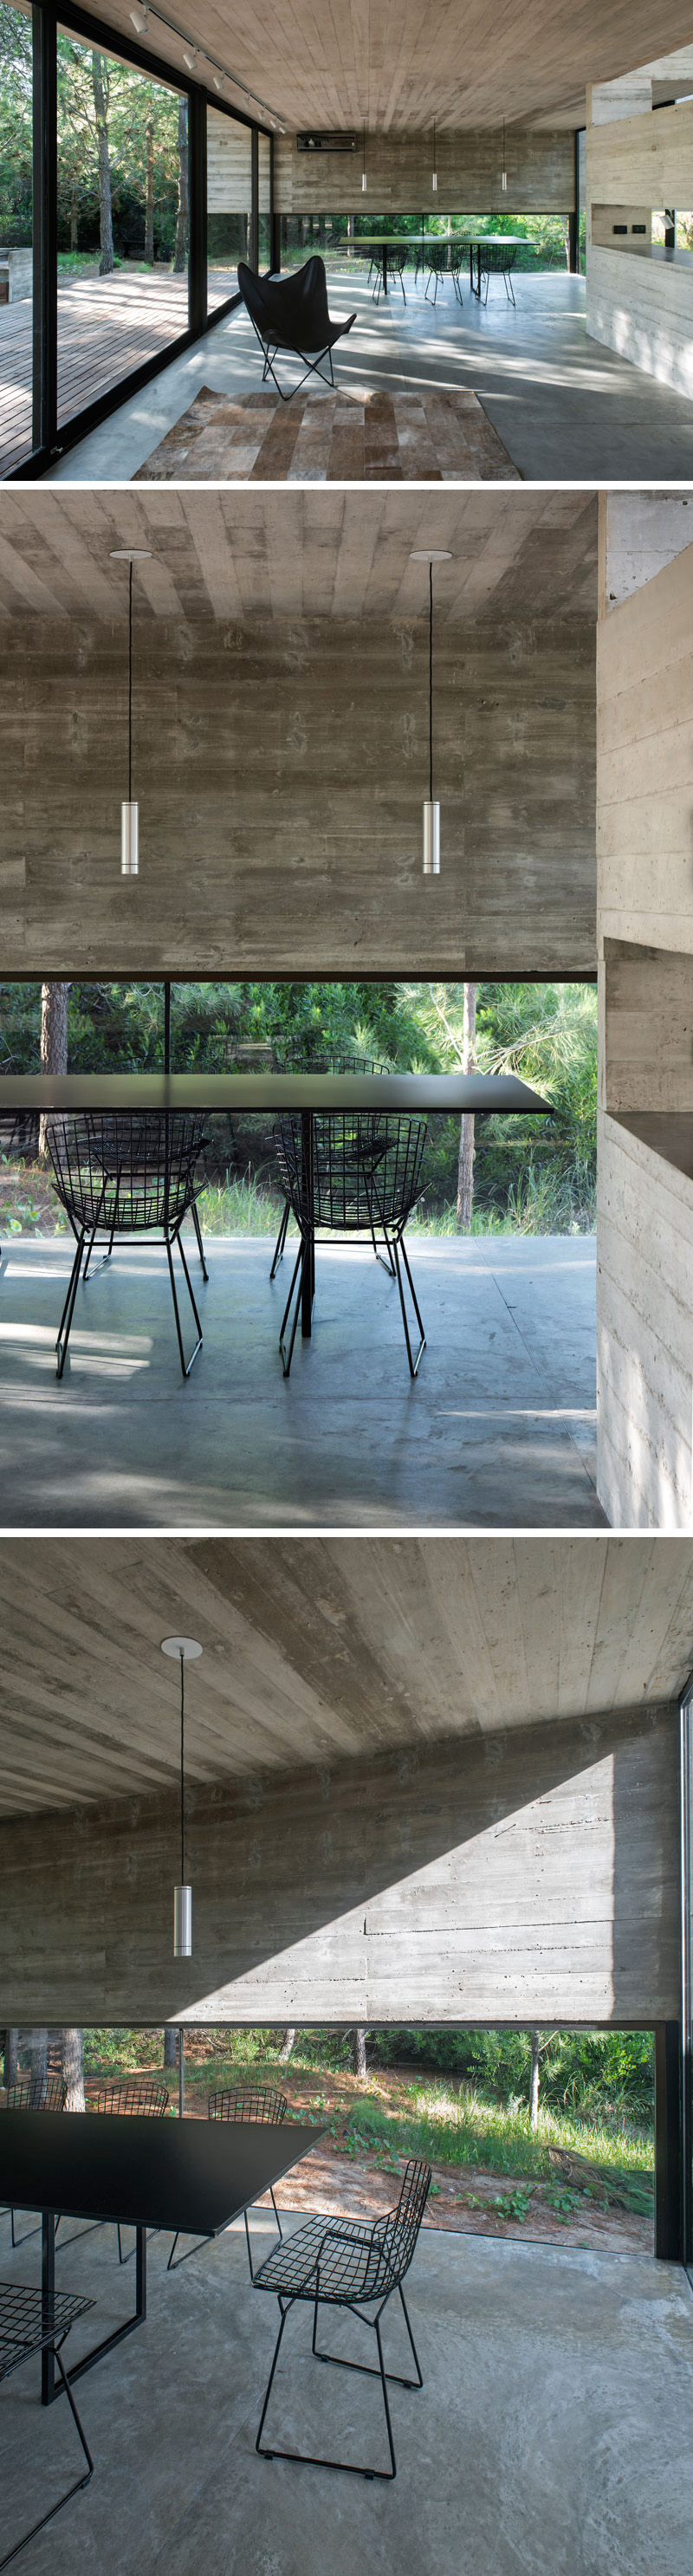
<point x="540" y="164"/>
<point x="532" y="1876"/>
<point x="645" y="1179"/>
<point x="639" y="299"/>
<point x="280" y="771"/>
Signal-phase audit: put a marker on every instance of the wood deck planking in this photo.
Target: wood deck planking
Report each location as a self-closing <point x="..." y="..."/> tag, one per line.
<point x="106" y="328"/>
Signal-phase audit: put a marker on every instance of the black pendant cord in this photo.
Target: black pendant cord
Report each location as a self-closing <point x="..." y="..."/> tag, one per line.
<point x="182" y="1773"/>
<point x="130" y="695"/>
<point x="430" y="684"/>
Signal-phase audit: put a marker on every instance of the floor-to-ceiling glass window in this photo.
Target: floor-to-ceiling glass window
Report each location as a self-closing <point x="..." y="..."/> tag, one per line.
<point x="122" y="234"/>
<point x="264" y="200"/>
<point x="229" y="204"/>
<point x="687" y="1968"/>
<point x="16" y="254"/>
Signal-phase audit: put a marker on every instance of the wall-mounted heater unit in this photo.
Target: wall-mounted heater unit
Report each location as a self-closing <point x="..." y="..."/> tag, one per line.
<point x="326" y="143"/>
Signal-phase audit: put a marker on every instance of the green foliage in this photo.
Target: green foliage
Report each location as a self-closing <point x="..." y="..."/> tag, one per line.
<point x="533" y="1177"/>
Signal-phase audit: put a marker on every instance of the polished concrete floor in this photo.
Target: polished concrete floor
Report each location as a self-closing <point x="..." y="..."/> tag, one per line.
<point x="497" y="1431"/>
<point x="551" y="2436"/>
<point x="567" y="410"/>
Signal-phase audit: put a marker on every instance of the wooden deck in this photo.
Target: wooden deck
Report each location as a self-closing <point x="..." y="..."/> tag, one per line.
<point x="106" y="327"/>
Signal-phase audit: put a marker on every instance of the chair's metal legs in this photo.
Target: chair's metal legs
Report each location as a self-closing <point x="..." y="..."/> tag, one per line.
<point x="70" y="2491"/>
<point x="313" y="367"/>
<point x="314" y="2460"/>
<point x="200" y="1245"/>
<point x="169" y="1240"/>
<point x="399" y="1246"/>
<point x="302" y="1255"/>
<point x="69" y="1306"/>
<point x="278" y="1254"/>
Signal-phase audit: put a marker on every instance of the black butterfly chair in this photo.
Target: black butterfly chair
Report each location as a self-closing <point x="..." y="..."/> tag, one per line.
<point x="340" y="2263"/>
<point x="256" y="2102"/>
<point x="292" y="313"/>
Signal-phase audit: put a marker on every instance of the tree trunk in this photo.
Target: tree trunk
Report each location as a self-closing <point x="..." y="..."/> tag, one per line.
<point x="39" y="2058"/>
<point x="149" y="199"/>
<point x="100" y="88"/>
<point x="72" y="2066"/>
<point x="73" y="220"/>
<point x="286" y="2047"/>
<point x="170" y="2046"/>
<point x="10" y="2054"/>
<point x="534" y="2082"/>
<point x="565" y="220"/>
<point x="465" y="1167"/>
<point x="358" y="2051"/>
<point x="181" y="246"/>
<point x="54" y="999"/>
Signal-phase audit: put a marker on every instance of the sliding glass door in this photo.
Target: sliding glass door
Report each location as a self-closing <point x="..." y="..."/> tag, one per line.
<point x="122" y="231"/>
<point x="16" y="236"/>
<point x="127" y="199"/>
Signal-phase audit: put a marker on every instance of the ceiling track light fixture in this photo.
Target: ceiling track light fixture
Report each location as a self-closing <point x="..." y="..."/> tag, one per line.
<point x="129" y="811"/>
<point x="183" y="1650"/>
<point x="139" y="19"/>
<point x="431" y="810"/>
<point x="434" y="173"/>
<point x="504" y="174"/>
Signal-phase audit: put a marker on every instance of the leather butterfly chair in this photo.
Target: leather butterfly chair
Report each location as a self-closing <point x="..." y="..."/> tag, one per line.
<point x="291" y="313"/>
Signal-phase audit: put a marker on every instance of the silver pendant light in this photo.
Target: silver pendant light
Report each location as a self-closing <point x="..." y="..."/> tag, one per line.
<point x="434" y="173"/>
<point x="184" y="1650"/>
<point x="504" y="174"/>
<point x="129" y="811"/>
<point x="364" y="181"/>
<point x="431" y="810"/>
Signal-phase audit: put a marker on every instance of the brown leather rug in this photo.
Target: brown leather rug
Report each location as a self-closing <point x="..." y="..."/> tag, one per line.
<point x="428" y="436"/>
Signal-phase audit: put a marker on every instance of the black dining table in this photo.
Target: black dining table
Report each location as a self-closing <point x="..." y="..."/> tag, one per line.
<point x="247" y="1093"/>
<point x="187" y="2177"/>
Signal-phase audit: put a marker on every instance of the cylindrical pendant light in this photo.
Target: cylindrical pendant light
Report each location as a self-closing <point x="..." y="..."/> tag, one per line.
<point x="364" y="181"/>
<point x="431" y="808"/>
<point x="434" y="173"/>
<point x="185" y="1649"/>
<point x="129" y="811"/>
<point x="504" y="174"/>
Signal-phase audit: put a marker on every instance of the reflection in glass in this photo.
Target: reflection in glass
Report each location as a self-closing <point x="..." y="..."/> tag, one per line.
<point x="229" y="204"/>
<point x="264" y="216"/>
<point x="122" y="220"/>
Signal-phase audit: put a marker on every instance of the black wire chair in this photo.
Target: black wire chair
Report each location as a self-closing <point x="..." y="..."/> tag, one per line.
<point x="343" y="2263"/>
<point x="436" y="263"/>
<point x="250" y="2102"/>
<point x="127" y="1174"/>
<point x="19" y="1128"/>
<point x="396" y="257"/>
<point x="497" y="260"/>
<point x="138" y="2097"/>
<point x="459" y="254"/>
<point x="31" y="2324"/>
<point x="296" y="1059"/>
<point x="291" y="313"/>
<point x="364" y="1180"/>
<point x="32" y="2093"/>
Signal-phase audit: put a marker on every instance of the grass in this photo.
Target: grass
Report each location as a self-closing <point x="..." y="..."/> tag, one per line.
<point x="464" y="2127"/>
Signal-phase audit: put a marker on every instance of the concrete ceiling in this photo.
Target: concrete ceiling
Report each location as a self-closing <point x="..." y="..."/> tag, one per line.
<point x="237" y="555"/>
<point x="398" y="63"/>
<point x="316" y="1649"/>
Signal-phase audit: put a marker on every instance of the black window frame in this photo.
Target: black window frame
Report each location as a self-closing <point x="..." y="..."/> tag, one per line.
<point x="48" y="440"/>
